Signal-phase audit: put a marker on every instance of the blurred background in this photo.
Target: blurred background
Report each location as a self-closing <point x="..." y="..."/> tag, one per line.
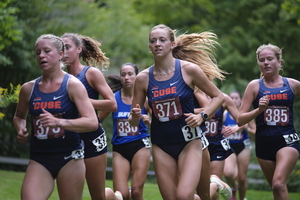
<point x="123" y="26"/>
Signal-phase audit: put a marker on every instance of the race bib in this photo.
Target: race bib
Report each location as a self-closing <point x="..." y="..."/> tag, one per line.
<point x="167" y="109"/>
<point x="44" y="133"/>
<point x="225" y="144"/>
<point x="190" y="133"/>
<point x="290" y="138"/>
<point x="204" y="141"/>
<point x="247" y="143"/>
<point x="235" y="136"/>
<point x="76" y="154"/>
<point x="100" y="142"/>
<point x="277" y="116"/>
<point x="146" y="141"/>
<point x="211" y="128"/>
<point x="124" y="128"/>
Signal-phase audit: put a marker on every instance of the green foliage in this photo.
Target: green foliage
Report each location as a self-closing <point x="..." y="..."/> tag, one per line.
<point x="8" y="96"/>
<point x="9" y="32"/>
<point x="292" y="10"/>
<point x="123" y="34"/>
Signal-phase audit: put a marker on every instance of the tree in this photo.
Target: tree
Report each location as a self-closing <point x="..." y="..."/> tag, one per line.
<point x="9" y="32"/>
<point x="292" y="10"/>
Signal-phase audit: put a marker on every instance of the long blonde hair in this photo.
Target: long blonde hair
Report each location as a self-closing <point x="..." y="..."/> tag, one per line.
<point x="198" y="48"/>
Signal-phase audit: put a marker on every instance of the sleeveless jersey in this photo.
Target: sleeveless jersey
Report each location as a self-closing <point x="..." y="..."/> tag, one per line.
<point x="46" y="139"/>
<point x="277" y="119"/>
<point x="169" y="100"/>
<point x="237" y="137"/>
<point x="214" y="126"/>
<point x="92" y="93"/>
<point x="122" y="131"/>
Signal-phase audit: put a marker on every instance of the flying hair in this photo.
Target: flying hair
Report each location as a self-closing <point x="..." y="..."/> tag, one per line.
<point x="91" y="53"/>
<point x="197" y="48"/>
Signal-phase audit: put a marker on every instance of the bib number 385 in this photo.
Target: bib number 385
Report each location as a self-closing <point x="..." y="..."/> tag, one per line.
<point x="276" y="116"/>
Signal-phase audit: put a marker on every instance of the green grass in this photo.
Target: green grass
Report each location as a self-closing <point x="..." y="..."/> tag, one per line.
<point x="10" y="184"/>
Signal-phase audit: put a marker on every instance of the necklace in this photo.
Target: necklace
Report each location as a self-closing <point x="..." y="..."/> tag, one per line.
<point x="163" y="73"/>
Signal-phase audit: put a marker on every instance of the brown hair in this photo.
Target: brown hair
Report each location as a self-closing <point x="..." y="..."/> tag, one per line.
<point x="91" y="53"/>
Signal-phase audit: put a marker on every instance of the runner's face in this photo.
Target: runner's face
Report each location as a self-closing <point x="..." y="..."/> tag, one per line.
<point x="71" y="51"/>
<point x="46" y="54"/>
<point x="160" y="43"/>
<point x="268" y="62"/>
<point x="236" y="98"/>
<point x="127" y="76"/>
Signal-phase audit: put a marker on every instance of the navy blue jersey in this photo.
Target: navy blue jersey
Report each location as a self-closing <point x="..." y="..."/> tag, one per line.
<point x="122" y="131"/>
<point x="58" y="103"/>
<point x="169" y="100"/>
<point x="214" y="126"/>
<point x="237" y="137"/>
<point x="277" y="119"/>
<point x="92" y="93"/>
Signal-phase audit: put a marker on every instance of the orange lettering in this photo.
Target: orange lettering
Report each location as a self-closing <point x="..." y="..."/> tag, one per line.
<point x="49" y="105"/>
<point x="173" y="90"/>
<point x="161" y="92"/>
<point x="278" y="96"/>
<point x="36" y="105"/>
<point x="164" y="92"/>
<point x="57" y="104"/>
<point x="284" y="96"/>
<point x="168" y="91"/>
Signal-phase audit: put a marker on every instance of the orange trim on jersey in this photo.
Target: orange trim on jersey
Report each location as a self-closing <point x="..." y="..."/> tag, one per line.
<point x="45" y="105"/>
<point x="283" y="96"/>
<point x="163" y="92"/>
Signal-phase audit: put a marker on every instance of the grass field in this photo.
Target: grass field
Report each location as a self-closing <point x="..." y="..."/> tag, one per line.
<point x="10" y="185"/>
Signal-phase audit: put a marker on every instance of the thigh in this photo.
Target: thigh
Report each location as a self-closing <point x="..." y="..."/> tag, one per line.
<point x="38" y="183"/>
<point x="121" y="173"/>
<point x="189" y="165"/>
<point x="203" y="188"/>
<point x="166" y="172"/>
<point x="243" y="160"/>
<point x="268" y="168"/>
<point x="70" y="180"/>
<point x="230" y="166"/>
<point x="139" y="166"/>
<point x="96" y="175"/>
<point x="286" y="159"/>
<point x="217" y="167"/>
